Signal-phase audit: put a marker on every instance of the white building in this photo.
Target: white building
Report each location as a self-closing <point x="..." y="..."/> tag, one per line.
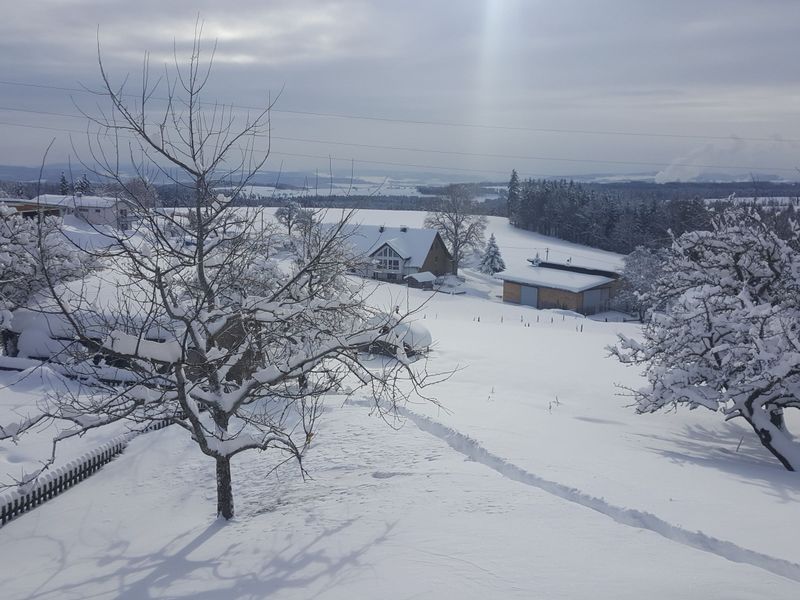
<point x="97" y="210"/>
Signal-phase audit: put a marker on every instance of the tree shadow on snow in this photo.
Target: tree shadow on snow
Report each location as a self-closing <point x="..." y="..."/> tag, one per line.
<point x="735" y="450"/>
<point x="170" y="573"/>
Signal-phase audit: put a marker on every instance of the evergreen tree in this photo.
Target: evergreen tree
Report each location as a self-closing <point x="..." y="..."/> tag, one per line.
<point x="567" y="210"/>
<point x="513" y="198"/>
<point x="63" y="185"/>
<point x="84" y="186"/>
<point x="492" y="262"/>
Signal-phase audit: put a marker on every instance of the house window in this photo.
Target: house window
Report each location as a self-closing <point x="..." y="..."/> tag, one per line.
<point x="97" y="210"/>
<point x="389" y="264"/>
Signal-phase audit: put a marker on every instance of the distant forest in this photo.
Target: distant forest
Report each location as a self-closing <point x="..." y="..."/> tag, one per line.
<point x="620" y="217"/>
<point x="602" y="219"/>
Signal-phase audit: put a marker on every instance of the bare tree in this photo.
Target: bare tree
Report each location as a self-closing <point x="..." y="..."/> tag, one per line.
<point x="289" y="216"/>
<point x="195" y="321"/>
<point x="457" y="223"/>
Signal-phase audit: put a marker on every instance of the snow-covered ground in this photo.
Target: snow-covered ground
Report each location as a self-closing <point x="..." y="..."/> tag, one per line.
<point x="20" y="395"/>
<point x="388" y="514"/>
<point x="535" y="480"/>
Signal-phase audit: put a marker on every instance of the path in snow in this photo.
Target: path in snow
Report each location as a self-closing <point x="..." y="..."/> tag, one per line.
<point x="473" y="450"/>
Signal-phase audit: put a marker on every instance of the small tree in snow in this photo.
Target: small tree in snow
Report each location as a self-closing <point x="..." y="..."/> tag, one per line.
<point x="457" y="223"/>
<point x="492" y="262"/>
<point x="199" y="325"/>
<point x="289" y="216"/>
<point x="728" y="338"/>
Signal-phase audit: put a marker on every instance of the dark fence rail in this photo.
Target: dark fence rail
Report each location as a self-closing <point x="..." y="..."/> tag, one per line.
<point x="57" y="481"/>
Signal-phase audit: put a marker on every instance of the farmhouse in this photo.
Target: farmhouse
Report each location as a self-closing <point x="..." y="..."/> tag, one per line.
<point x="565" y="286"/>
<point x="96" y="210"/>
<point x="394" y="253"/>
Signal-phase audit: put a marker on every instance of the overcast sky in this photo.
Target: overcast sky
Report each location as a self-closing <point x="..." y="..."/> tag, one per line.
<point x="689" y="82"/>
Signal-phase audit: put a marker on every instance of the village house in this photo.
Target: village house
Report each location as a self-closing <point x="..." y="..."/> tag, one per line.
<point x="565" y="286"/>
<point x="395" y="253"/>
<point x="96" y="210"/>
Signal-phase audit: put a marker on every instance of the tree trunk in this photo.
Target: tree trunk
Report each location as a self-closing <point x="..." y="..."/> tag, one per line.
<point x="224" y="488"/>
<point x="776" y="417"/>
<point x="773" y="438"/>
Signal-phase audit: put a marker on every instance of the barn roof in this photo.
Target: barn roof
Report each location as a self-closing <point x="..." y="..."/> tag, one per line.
<point x="552" y="278"/>
<point x="13" y="201"/>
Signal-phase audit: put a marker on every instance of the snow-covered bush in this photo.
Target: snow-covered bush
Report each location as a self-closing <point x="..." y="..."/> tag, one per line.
<point x="728" y="336"/>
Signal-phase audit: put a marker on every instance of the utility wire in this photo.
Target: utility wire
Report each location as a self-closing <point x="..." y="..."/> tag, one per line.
<point x="277" y="153"/>
<point x="443" y="152"/>
<point x="442" y="123"/>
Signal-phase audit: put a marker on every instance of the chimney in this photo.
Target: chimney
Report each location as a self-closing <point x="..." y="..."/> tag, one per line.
<point x="381" y="228"/>
<point x="403" y="228"/>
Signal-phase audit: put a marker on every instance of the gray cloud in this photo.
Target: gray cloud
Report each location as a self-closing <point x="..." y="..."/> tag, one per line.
<point x="711" y="68"/>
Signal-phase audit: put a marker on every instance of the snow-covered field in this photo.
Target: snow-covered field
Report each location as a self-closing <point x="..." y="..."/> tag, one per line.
<point x="535" y="480"/>
<point x="516" y="245"/>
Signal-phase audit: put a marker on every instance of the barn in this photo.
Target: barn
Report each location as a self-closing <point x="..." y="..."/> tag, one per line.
<point x="551" y="285"/>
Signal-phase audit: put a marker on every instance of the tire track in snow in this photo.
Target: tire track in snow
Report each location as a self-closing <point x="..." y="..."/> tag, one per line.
<point x="630" y="517"/>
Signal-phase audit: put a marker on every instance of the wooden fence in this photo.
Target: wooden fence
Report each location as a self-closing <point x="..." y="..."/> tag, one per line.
<point x="53" y="483"/>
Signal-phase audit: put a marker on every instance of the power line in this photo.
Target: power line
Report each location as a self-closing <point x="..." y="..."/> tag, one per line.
<point x="278" y="153"/>
<point x="445" y="123"/>
<point x="451" y="152"/>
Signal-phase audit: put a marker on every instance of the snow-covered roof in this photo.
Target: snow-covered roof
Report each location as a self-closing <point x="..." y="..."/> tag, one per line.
<point x="553" y="278"/>
<point x="422" y="277"/>
<point x="410" y="243"/>
<point x="16" y="201"/>
<point x="76" y="201"/>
